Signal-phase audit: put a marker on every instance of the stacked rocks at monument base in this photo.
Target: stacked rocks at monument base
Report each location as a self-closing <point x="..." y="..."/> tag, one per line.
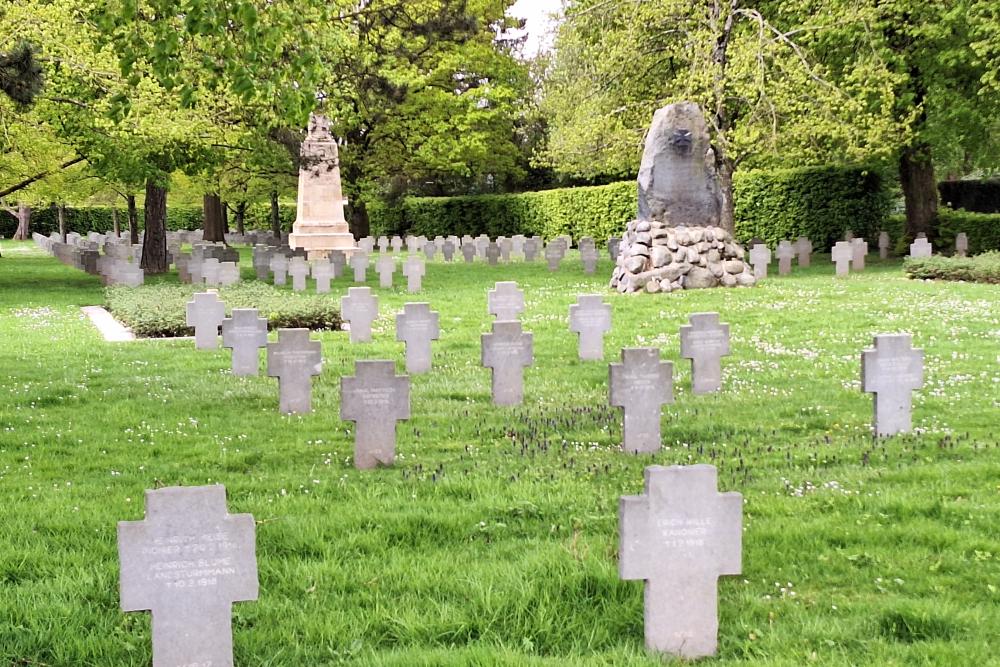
<point x="677" y="242"/>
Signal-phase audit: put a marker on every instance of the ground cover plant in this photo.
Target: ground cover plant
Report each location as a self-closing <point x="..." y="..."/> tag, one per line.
<point x="983" y="268"/>
<point x="493" y="539"/>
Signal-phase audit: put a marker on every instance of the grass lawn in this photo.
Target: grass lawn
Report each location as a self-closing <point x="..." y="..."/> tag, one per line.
<point x="493" y="540"/>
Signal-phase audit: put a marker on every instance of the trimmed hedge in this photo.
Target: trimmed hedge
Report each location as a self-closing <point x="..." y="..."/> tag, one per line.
<point x="819" y="202"/>
<point x="978" y="196"/>
<point x="983" y="268"/>
<point x="983" y="230"/>
<point x="159" y="310"/>
<point x="98" y="219"/>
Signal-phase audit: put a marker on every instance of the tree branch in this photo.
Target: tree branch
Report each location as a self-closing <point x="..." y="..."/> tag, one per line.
<point x="37" y="177"/>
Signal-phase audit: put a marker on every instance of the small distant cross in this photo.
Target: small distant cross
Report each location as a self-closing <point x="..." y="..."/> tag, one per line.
<point x="279" y="267"/>
<point x="680" y="537"/>
<point x="385" y="266"/>
<point x="921" y="248"/>
<point x="322" y="272"/>
<point x="374" y="399"/>
<point x="883" y="245"/>
<point x="359" y="262"/>
<point x="804" y="248"/>
<point x="492" y="253"/>
<point x="245" y="333"/>
<point x="554" y="252"/>
<point x="210" y="272"/>
<point x="469" y="252"/>
<point x="205" y="313"/>
<point x="859" y="249"/>
<point x="760" y="257"/>
<point x="417" y="326"/>
<point x="961" y="244"/>
<point x="785" y="254"/>
<point x="298" y="269"/>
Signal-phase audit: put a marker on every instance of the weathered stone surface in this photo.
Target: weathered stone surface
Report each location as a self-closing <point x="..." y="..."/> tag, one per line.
<point x="294" y="359"/>
<point x="705" y="341"/>
<point x="640" y="385"/>
<point x="700" y="278"/>
<point x="660" y="256"/>
<point x="507" y="350"/>
<point x="374" y="399"/>
<point x="245" y="333"/>
<point x="590" y="317"/>
<point x="205" y="313"/>
<point x="891" y="370"/>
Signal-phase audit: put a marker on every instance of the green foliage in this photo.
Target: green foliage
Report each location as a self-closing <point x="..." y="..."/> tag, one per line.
<point x="159" y="310"/>
<point x="820" y="203"/>
<point x="979" y="196"/>
<point x="984" y="268"/>
<point x="983" y="230"/>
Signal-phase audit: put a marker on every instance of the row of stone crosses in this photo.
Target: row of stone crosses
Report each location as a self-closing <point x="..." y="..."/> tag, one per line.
<point x="189" y="560"/>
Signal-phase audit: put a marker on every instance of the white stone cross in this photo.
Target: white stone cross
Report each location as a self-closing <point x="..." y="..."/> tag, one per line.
<point x="205" y="313"/>
<point x="921" y="248"/>
<point x="785" y="254"/>
<point x="188" y="562"/>
<point x="322" y="272"/>
<point x="760" y="257"/>
<point x="842" y="254"/>
<point x="397" y="243"/>
<point x="383" y="243"/>
<point x="505" y="301"/>
<point x="385" y="266"/>
<point x="374" y="399"/>
<point x="279" y="267"/>
<point x="804" y="248"/>
<point x="360" y="308"/>
<point x="859" y="251"/>
<point x="891" y="370"/>
<point x="245" y="333"/>
<point x="294" y="359"/>
<point x="229" y="273"/>
<point x="210" y="272"/>
<point x="640" y="385"/>
<point x="705" y="341"/>
<point x="554" y="252"/>
<point x="298" y="269"/>
<point x="680" y="537"/>
<point x="417" y="326"/>
<point x="413" y="269"/>
<point x="507" y="351"/>
<point x="430" y="248"/>
<point x="590" y="318"/>
<point x="359" y="262"/>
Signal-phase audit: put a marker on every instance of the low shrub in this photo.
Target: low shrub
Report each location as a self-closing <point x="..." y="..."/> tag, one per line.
<point x="983" y="268"/>
<point x="983" y="230"/>
<point x="159" y="311"/>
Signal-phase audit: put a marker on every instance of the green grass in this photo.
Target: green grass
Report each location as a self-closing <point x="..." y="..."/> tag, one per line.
<point x="493" y="539"/>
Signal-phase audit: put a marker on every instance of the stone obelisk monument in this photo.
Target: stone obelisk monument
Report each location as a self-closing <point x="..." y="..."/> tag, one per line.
<point x="320" y="225"/>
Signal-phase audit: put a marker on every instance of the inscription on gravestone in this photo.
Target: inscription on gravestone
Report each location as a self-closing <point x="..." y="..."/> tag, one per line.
<point x="680" y="537"/>
<point x="640" y="385"/>
<point x="891" y="370"/>
<point x="590" y="317"/>
<point x="374" y="399"/>
<point x="187" y="562"/>
<point x="507" y="351"/>
<point x="417" y="326"/>
<point x="704" y="341"/>
<point x="294" y="359"/>
<point x="245" y="333"/>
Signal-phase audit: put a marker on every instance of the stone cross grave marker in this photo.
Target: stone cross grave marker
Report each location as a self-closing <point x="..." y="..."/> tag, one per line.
<point x="482" y="241"/>
<point x="187" y="562"/>
<point x="359" y="262"/>
<point x="322" y="273"/>
<point x="785" y="254"/>
<point x="680" y="536"/>
<point x="396" y="243"/>
<point x="859" y="251"/>
<point x="210" y="272"/>
<point x="760" y="257"/>
<point x="842" y="254"/>
<point x="493" y="253"/>
<point x="803" y="249"/>
<point x="417" y="326"/>
<point x="507" y="351"/>
<point x="205" y="313"/>
<point x="469" y="252"/>
<point x="614" y="245"/>
<point x="589" y="256"/>
<point x="229" y="273"/>
<point x="921" y="248"/>
<point x="640" y="385"/>
<point x="367" y="245"/>
<point x="553" y="254"/>
<point x="429" y="250"/>
<point x="294" y="359"/>
<point x="374" y="399"/>
<point x="505" y="301"/>
<point x="448" y="250"/>
<point x="590" y="317"/>
<point x="883" y="245"/>
<point x="705" y="341"/>
<point x="338" y="260"/>
<point x="531" y="248"/>
<point x="360" y="308"/>
<point x="961" y="244"/>
<point x="245" y="333"/>
<point x="128" y="274"/>
<point x="383" y="243"/>
<point x="194" y="268"/>
<point x="413" y="269"/>
<point x="506" y="247"/>
<point x="279" y="267"/>
<point x="298" y="269"/>
<point x="891" y="370"/>
<point x="517" y="244"/>
<point x="385" y="266"/>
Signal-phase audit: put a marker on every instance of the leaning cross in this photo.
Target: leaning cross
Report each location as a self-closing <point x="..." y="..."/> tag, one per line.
<point x="187" y="562"/>
<point x="704" y="341"/>
<point x="891" y="370"/>
<point x="842" y="254"/>
<point x="590" y="317"/>
<point x="640" y="385"/>
<point x="680" y="537"/>
<point x="417" y="326"/>
<point x="205" y="314"/>
<point x="374" y="399"/>
<point x="294" y="359"/>
<point x="507" y="351"/>
<point x="760" y="257"/>
<point x="505" y="301"/>
<point x="360" y="308"/>
<point x="245" y="333"/>
<point x="414" y="270"/>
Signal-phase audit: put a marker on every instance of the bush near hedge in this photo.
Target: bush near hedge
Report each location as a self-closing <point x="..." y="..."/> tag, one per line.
<point x="819" y="202"/>
<point x="983" y="268"/>
<point x="159" y="311"/>
<point x="83" y="220"/>
<point x="983" y="230"/>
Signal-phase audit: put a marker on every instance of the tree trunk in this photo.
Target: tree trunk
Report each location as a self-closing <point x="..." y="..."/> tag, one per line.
<point x="116" y="226"/>
<point x="133" y="220"/>
<point x="23" y="215"/>
<point x="727" y="215"/>
<point x="212" y="214"/>
<point x="920" y="193"/>
<point x="61" y="214"/>
<point x="224" y="207"/>
<point x="275" y="215"/>
<point x="359" y="223"/>
<point x="241" y="214"/>
<point x="154" y="246"/>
